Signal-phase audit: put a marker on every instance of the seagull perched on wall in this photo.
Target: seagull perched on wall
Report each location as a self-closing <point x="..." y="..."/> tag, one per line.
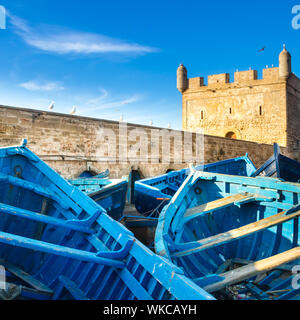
<point x="51" y="106"/>
<point x="73" y="111"/>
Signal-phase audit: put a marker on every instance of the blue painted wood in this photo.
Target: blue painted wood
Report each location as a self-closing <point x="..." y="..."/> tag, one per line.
<point x="108" y="193"/>
<point x="137" y="222"/>
<point x="71" y="286"/>
<point x="30" y="280"/>
<point x="59" y="238"/>
<point x="26" y="214"/>
<point x="23" y="242"/>
<point x="152" y="194"/>
<point x="134" y="176"/>
<point x="89" y="174"/>
<point x="211" y="224"/>
<point x="279" y="166"/>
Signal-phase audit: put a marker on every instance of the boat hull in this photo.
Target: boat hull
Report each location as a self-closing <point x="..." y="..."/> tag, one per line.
<point x="109" y="194"/>
<point x="280" y="166"/>
<point x="152" y="194"/>
<point x="57" y="243"/>
<point x="237" y="237"/>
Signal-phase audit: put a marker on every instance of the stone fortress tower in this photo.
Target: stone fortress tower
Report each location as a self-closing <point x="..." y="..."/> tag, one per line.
<point x="263" y="110"/>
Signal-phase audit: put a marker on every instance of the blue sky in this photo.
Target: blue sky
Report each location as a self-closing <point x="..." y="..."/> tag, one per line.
<point x="119" y="58"/>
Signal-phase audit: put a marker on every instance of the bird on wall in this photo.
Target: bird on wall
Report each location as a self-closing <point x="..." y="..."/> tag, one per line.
<point x="73" y="111"/>
<point x="51" y="106"/>
<point x="150" y="123"/>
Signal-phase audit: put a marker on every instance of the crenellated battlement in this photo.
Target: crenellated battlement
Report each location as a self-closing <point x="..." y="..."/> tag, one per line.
<point x="218" y="79"/>
<point x="245" y="76"/>
<point x="196" y="82"/>
<point x="240" y="77"/>
<point x="271" y="74"/>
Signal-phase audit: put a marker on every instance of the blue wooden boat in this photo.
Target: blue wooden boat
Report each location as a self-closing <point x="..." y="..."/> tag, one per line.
<point x="91" y="174"/>
<point x="279" y="166"/>
<point x="152" y="194"/>
<point x="108" y="193"/>
<point x="236" y="237"/>
<point x="57" y="243"/>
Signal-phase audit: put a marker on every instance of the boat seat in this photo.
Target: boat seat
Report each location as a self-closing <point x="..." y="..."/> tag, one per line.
<point x="226" y="237"/>
<point x="236" y="199"/>
<point x="251" y="270"/>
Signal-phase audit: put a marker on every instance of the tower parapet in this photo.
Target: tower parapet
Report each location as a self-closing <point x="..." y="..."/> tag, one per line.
<point x="241" y="78"/>
<point x="218" y="79"/>
<point x="244" y="76"/>
<point x="271" y="74"/>
<point x="195" y="82"/>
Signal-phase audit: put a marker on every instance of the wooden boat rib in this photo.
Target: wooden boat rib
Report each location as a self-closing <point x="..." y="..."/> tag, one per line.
<point x="213" y="226"/>
<point x="57" y="243"/>
<point x="152" y="194"/>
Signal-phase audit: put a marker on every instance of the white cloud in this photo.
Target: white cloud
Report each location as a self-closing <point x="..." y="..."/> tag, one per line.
<point x="114" y="104"/>
<point x="60" y="41"/>
<point x="102" y="103"/>
<point x="97" y="100"/>
<point x="38" y="86"/>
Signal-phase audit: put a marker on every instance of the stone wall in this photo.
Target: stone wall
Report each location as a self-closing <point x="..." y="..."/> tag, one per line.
<point x="71" y="144"/>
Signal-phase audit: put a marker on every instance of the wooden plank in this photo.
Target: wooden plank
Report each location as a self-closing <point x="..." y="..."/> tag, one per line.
<point x="213" y="205"/>
<point x="77" y="225"/>
<point x="32" y="186"/>
<point x="64" y="201"/>
<point x="19" y="273"/>
<point x="58" y="250"/>
<point x="135" y="286"/>
<point x="243" y="273"/>
<point x="222" y="203"/>
<point x="238" y="233"/>
<point x="222" y="268"/>
<point x="72" y="288"/>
